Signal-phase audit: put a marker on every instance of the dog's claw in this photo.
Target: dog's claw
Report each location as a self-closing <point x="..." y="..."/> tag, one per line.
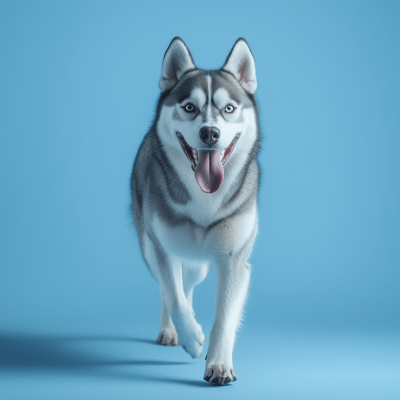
<point x="233" y="376"/>
<point x="219" y="374"/>
<point x="220" y="380"/>
<point x="168" y="337"/>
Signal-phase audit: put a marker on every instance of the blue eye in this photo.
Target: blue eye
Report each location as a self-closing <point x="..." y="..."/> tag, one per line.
<point x="229" y="109"/>
<point x="189" y="108"/>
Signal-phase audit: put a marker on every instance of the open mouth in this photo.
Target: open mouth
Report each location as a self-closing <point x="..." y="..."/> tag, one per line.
<point x="207" y="164"/>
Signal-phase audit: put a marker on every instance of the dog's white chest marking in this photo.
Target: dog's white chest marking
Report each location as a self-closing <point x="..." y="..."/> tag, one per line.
<point x="197" y="244"/>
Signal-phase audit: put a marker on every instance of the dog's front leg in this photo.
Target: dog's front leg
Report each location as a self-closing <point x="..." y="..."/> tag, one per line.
<point x="233" y="281"/>
<point x="190" y="334"/>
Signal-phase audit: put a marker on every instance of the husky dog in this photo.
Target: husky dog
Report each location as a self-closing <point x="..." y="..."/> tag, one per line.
<point x="194" y="197"/>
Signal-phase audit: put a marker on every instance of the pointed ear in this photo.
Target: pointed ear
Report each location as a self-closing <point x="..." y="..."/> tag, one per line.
<point x="177" y="60"/>
<point x="240" y="63"/>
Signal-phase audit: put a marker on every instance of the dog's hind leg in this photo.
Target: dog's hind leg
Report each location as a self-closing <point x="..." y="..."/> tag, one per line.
<point x="167" y="335"/>
<point x="193" y="274"/>
<point x="169" y="272"/>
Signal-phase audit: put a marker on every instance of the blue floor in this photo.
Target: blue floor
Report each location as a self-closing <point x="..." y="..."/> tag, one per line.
<point x="126" y="363"/>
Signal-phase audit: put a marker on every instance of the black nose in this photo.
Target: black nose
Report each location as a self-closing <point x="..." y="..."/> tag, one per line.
<point x="209" y="135"/>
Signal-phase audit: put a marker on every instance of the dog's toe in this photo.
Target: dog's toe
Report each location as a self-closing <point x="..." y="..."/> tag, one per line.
<point x="168" y="337"/>
<point x="219" y="374"/>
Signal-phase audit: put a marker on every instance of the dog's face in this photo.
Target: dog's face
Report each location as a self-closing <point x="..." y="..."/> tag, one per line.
<point x="208" y="115"/>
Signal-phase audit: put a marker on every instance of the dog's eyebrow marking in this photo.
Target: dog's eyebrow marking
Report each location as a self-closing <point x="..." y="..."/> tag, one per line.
<point x="197" y="97"/>
<point x="222" y="98"/>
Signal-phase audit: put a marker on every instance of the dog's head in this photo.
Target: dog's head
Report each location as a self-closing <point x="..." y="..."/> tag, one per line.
<point x="208" y="115"/>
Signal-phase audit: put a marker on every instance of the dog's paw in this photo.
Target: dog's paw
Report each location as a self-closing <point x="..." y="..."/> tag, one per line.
<point x="219" y="374"/>
<point x="168" y="337"/>
<point x="190" y="334"/>
<point x="194" y="344"/>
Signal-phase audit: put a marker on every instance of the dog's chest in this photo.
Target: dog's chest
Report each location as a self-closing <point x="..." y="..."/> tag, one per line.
<point x="191" y="241"/>
<point x="186" y="239"/>
<point x="189" y="234"/>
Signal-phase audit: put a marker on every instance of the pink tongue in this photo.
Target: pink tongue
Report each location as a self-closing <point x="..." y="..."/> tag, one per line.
<point x="209" y="172"/>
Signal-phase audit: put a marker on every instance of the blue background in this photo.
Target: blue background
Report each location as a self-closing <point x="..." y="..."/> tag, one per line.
<point x="79" y="312"/>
